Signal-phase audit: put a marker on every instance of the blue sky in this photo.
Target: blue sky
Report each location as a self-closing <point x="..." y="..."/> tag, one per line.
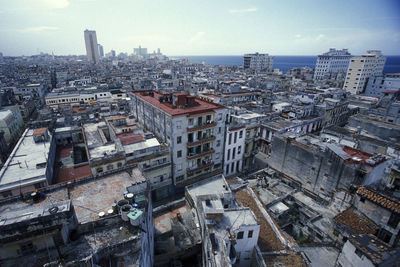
<point x="286" y="27"/>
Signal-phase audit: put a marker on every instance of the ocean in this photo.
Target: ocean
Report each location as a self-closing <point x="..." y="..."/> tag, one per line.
<point x="284" y="63"/>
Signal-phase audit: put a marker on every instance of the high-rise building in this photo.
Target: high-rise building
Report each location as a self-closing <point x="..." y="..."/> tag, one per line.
<point x="361" y="69"/>
<point x="101" y="50"/>
<point x="92" y="49"/>
<point x="331" y="64"/>
<point x="140" y="51"/>
<point x="193" y="128"/>
<point x="258" y="62"/>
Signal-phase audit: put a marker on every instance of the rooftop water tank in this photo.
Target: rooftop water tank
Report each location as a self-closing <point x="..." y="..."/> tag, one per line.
<point x="135" y="216"/>
<point x="124" y="212"/>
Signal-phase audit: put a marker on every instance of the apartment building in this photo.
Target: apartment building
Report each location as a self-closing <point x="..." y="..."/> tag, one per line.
<point x="234" y="149"/>
<point x="193" y="128"/>
<point x="331" y="64"/>
<point x="361" y="69"/>
<point x="11" y="123"/>
<point x="258" y="62"/>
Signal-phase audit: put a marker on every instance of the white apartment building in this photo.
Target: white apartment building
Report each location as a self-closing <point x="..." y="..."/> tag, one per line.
<point x="361" y="69"/>
<point x="258" y="62"/>
<point x="62" y="98"/>
<point x="234" y="150"/>
<point x="193" y="128"/>
<point x="331" y="64"/>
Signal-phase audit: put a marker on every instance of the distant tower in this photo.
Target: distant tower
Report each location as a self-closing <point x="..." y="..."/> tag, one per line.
<point x="101" y="50"/>
<point x="92" y="49"/>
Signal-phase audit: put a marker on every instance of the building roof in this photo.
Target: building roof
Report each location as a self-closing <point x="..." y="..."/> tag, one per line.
<point x="356" y="222"/>
<point x="39" y="131"/>
<point x="379" y="199"/>
<point x="21" y="167"/>
<point x="130" y="138"/>
<point x="201" y="107"/>
<point x="379" y="252"/>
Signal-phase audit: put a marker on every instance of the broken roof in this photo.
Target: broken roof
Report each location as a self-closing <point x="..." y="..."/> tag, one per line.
<point x="379" y="199"/>
<point x="356" y="222"/>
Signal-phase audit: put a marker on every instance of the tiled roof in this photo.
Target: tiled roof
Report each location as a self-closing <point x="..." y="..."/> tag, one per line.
<point x="39" y="131"/>
<point x="383" y="201"/>
<point x="356" y="222"/>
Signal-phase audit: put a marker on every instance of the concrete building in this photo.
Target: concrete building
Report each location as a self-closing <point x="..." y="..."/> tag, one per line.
<point x="377" y="85"/>
<point x="367" y="250"/>
<point x="251" y="121"/>
<point x="73" y="223"/>
<point x="234" y="149"/>
<point x="361" y="69"/>
<point x="11" y="123"/>
<point x="332" y="64"/>
<point x="193" y="128"/>
<point x="325" y="167"/>
<point x="258" y="62"/>
<point x="92" y="49"/>
<point x="30" y="164"/>
<point x="231" y="238"/>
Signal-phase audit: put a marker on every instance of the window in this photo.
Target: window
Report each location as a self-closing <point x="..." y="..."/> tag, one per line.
<point x="227" y="169"/>
<point x="394" y="220"/>
<point x="27" y="248"/>
<point x="179" y="167"/>
<point x="250" y="235"/>
<point x="6" y="193"/>
<point x="99" y="169"/>
<point x="190" y="121"/>
<point x="358" y="252"/>
<point x="229" y="154"/>
<point x="179" y="139"/>
<point x="235" y="138"/>
<point x="180" y="178"/>
<point x="239" y="149"/>
<point x="218" y="143"/>
<point x="119" y="164"/>
<point x="233" y="153"/>
<point x="233" y="167"/>
<point x="110" y="167"/>
<point x="179" y="153"/>
<point x="230" y="138"/>
<point x="219" y="130"/>
<point x="241" y="134"/>
<point x="240" y="235"/>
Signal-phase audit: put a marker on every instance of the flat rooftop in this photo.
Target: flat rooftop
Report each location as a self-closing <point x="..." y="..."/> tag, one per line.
<point x="201" y="107"/>
<point x="21" y="166"/>
<point x="88" y="198"/>
<point x="215" y="185"/>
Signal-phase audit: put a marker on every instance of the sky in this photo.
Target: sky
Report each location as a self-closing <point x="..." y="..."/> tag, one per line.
<point x="216" y="27"/>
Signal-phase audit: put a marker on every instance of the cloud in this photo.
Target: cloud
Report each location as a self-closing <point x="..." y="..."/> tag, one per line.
<point x="320" y="37"/>
<point x="197" y="37"/>
<point x="245" y="10"/>
<point x="56" y="4"/>
<point x="298" y="35"/>
<point x="39" y="29"/>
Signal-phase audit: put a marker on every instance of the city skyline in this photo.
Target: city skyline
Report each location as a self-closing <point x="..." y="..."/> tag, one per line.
<point x="207" y="28"/>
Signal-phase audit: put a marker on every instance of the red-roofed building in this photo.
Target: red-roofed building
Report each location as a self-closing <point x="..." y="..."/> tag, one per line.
<point x="194" y="128"/>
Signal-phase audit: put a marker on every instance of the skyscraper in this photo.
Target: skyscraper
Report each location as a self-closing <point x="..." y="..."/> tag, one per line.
<point x="101" y="50"/>
<point x="92" y="50"/>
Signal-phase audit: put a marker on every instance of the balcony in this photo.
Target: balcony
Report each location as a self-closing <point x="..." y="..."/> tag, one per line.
<point x="201" y="154"/>
<point x="204" y="125"/>
<point x="203" y="140"/>
<point x="203" y="165"/>
<point x="147" y="168"/>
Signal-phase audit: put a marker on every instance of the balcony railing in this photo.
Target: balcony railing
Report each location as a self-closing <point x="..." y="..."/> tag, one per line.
<point x="200" y="154"/>
<point x="200" y="166"/>
<point x="204" y="125"/>
<point x="204" y="139"/>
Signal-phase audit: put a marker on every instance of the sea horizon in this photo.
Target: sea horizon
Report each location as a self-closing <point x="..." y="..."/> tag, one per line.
<point x="283" y="63"/>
